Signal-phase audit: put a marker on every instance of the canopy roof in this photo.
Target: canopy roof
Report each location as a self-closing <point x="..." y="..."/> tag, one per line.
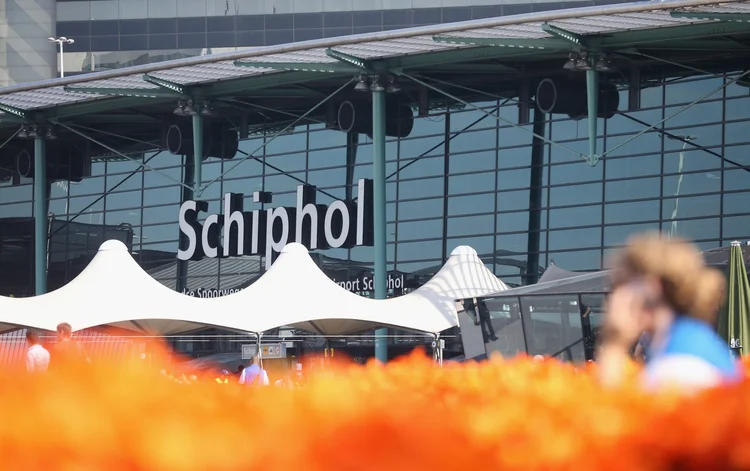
<point x="554" y="273"/>
<point x="264" y="85"/>
<point x="115" y="291"/>
<point x="556" y="281"/>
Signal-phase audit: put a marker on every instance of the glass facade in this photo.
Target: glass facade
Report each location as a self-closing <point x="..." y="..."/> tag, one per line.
<point x="461" y="178"/>
<point x="111" y="34"/>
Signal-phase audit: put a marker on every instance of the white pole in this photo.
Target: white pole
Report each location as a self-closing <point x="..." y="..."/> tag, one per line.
<point x="62" y="60"/>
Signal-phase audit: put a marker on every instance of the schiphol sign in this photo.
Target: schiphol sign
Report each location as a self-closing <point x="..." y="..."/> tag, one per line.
<point x="236" y="232"/>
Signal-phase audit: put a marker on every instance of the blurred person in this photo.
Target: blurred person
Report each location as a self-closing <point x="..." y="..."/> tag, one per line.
<point x="37" y="357"/>
<point x="488" y="330"/>
<point x="479" y="312"/>
<point x="68" y="351"/>
<point x="640" y="354"/>
<point x="223" y="377"/>
<point x="240" y="368"/>
<point x="539" y="358"/>
<point x="664" y="289"/>
<point x="254" y="375"/>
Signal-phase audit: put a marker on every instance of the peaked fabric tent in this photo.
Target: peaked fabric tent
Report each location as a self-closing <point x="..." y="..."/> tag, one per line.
<point x="114" y="291"/>
<point x="463" y="276"/>
<point x="300" y="295"/>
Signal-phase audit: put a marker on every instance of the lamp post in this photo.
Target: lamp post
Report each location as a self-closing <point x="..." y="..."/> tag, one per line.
<point x="60" y="41"/>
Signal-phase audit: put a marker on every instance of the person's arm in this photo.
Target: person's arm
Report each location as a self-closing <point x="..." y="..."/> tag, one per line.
<point x="612" y="358"/>
<point x="83" y="353"/>
<point x="29" y="361"/>
<point x="242" y="376"/>
<point x="620" y="331"/>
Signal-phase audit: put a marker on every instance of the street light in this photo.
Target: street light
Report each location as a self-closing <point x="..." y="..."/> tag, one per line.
<point x="60" y="41"/>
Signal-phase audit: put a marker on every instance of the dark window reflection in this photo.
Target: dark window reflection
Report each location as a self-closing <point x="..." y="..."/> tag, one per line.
<point x="552" y="326"/>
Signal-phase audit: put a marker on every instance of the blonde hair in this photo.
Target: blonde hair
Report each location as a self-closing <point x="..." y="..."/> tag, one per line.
<point x="689" y="287"/>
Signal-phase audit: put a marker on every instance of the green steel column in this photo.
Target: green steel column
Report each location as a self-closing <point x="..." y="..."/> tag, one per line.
<point x="40" y="216"/>
<point x="197" y="153"/>
<point x="592" y="98"/>
<point x="378" y="184"/>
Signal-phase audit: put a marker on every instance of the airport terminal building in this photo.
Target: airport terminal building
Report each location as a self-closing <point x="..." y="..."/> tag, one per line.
<point x="492" y="149"/>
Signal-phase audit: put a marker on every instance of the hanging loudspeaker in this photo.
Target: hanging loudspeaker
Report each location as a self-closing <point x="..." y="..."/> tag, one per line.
<point x="174" y="139"/>
<point x="24" y="164"/>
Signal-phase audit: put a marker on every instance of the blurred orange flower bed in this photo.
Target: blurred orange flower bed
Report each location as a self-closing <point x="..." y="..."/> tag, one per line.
<point x="408" y="415"/>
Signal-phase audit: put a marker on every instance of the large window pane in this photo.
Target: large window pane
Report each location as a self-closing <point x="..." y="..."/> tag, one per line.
<point x="630" y="167"/>
<point x="417" y="230"/>
<point x="512" y="222"/>
<point x="623" y="190"/>
<point x="427" y="208"/>
<point x="689" y="90"/>
<point x="547" y="323"/>
<point x="575" y="239"/>
<point x="572" y="217"/>
<point x="694" y="230"/>
<point x="631" y="212"/>
<point x="505" y="315"/>
<point x="472" y="183"/>
<point x="579" y="260"/>
<point x="574" y="173"/>
<point x="417" y="251"/>
<point x="473" y="161"/>
<point x="735" y="203"/>
<point x="698" y="206"/>
<point x="473" y="204"/>
<point x="473" y="225"/>
<point x="575" y="194"/>
<point x="691" y="183"/>
<point x="618" y="235"/>
<point x="736" y="228"/>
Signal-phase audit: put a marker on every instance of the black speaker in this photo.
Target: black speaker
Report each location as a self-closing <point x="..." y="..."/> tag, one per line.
<point x="356" y="116"/>
<point x="63" y="163"/>
<point x="568" y="96"/>
<point x="218" y="140"/>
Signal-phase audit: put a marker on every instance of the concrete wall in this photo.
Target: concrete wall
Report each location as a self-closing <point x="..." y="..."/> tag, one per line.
<point x="25" y="53"/>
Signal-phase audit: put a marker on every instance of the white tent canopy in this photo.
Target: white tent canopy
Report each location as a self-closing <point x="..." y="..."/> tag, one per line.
<point x="114" y="291"/>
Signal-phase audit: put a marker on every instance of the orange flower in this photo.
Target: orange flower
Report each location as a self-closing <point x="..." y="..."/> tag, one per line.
<point x="500" y="414"/>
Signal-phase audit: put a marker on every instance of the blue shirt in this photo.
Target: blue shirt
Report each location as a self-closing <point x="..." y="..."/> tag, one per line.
<point x="692" y="353"/>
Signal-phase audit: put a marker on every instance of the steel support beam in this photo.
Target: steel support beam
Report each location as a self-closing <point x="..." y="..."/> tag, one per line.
<point x="165" y="84"/>
<point x="592" y="102"/>
<point x="197" y="154"/>
<point x="564" y="34"/>
<point x="187" y="194"/>
<point x="13" y="111"/>
<point x="352" y="61"/>
<point x="380" y="271"/>
<point x="40" y="216"/>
